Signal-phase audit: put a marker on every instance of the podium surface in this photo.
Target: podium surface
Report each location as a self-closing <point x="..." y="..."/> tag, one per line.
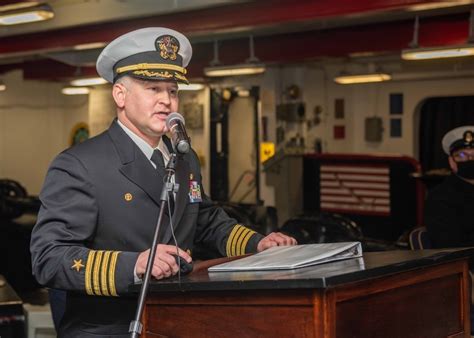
<point x="383" y="294"/>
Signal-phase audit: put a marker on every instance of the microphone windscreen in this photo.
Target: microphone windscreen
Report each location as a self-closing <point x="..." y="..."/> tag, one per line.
<point x="173" y="117"/>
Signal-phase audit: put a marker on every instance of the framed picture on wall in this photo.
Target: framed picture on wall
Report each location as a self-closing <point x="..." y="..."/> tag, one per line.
<point x="396" y="127"/>
<point x="339" y="109"/>
<point x="396" y="103"/>
<point x="194" y="115"/>
<point x="339" y="132"/>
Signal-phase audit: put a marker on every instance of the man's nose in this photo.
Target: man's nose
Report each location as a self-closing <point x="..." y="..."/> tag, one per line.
<point x="165" y="98"/>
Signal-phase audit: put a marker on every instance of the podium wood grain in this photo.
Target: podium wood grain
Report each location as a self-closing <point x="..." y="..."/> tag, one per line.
<point x="429" y="301"/>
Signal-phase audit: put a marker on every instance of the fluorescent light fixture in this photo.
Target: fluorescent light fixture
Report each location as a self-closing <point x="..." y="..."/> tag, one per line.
<point x="437" y="5"/>
<point x="191" y="86"/>
<point x="75" y="90"/>
<point x="26" y="15"/>
<point x="91" y="81"/>
<point x="235" y="70"/>
<point x="438" y="52"/>
<point x="252" y="65"/>
<point x="18" y="5"/>
<point x="362" y="78"/>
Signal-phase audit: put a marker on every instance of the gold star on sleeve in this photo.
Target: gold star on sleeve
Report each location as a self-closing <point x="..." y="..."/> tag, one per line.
<point x="77" y="265"/>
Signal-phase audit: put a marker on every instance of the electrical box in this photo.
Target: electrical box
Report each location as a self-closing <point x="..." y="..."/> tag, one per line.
<point x="373" y="129"/>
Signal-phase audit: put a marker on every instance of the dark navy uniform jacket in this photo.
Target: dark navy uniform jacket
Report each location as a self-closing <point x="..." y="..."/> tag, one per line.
<point x="100" y="204"/>
<point x="449" y="213"/>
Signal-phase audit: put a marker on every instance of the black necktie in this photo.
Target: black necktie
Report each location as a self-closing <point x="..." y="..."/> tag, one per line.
<point x="157" y="158"/>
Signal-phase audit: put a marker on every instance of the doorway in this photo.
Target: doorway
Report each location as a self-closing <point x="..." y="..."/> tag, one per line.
<point x="234" y="145"/>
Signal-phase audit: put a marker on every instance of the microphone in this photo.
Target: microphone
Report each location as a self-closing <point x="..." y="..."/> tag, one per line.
<point x="179" y="138"/>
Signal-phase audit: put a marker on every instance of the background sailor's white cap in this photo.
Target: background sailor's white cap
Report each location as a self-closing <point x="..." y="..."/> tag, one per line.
<point x="154" y="53"/>
<point x="458" y="138"/>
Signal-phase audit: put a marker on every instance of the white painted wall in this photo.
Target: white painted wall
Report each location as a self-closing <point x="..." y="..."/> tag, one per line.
<point x="35" y="124"/>
<point x="101" y="109"/>
<point x="362" y="101"/>
<point x="242" y="150"/>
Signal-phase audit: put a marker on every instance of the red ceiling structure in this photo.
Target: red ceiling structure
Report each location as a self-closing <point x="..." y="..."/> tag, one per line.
<point x="284" y="31"/>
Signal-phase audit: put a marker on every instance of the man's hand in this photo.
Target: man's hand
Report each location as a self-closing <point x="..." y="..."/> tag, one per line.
<point x="164" y="264"/>
<point x="275" y="239"/>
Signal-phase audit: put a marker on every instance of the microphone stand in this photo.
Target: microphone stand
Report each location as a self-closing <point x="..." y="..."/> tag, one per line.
<point x="169" y="187"/>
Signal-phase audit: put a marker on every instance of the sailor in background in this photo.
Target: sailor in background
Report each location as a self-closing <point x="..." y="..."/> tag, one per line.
<point x="100" y="200"/>
<point x="449" y="208"/>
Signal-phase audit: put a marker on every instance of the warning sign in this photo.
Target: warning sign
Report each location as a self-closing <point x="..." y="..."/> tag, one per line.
<point x="267" y="150"/>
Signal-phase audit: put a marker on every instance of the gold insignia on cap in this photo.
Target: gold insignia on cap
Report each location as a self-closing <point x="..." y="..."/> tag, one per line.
<point x="128" y="197"/>
<point x="178" y="76"/>
<point x="468" y="136"/>
<point x="168" y="46"/>
<point x="77" y="265"/>
<point x="147" y="73"/>
<point x="191" y="176"/>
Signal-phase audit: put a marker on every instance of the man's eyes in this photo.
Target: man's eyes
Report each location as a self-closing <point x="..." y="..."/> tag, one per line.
<point x="158" y="89"/>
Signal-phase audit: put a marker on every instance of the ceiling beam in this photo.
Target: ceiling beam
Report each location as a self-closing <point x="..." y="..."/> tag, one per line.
<point x="208" y="23"/>
<point x="276" y="46"/>
<point x="383" y="38"/>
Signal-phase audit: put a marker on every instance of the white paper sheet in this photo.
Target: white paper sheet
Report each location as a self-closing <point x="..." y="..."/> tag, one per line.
<point x="292" y="257"/>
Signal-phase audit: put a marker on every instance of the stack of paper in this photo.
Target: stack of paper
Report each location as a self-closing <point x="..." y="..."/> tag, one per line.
<point x="292" y="257"/>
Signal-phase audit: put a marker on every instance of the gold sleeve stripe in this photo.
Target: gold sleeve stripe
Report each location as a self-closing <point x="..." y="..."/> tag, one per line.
<point x="245" y="241"/>
<point x="88" y="275"/>
<point x="234" y="240"/>
<point x="100" y="273"/>
<point x="103" y="274"/>
<point x="96" y="279"/>
<point x="113" y="263"/>
<point x="229" y="240"/>
<point x="237" y="240"/>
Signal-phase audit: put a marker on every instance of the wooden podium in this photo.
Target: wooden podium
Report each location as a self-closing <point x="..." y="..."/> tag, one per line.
<point x="385" y="294"/>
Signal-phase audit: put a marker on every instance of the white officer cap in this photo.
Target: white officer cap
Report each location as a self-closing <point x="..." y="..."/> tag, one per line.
<point x="154" y="53"/>
<point x="458" y="138"/>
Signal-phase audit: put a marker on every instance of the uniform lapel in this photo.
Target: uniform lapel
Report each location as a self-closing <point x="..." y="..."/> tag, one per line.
<point x="135" y="166"/>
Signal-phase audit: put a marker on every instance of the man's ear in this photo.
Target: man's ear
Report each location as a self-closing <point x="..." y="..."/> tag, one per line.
<point x="119" y="92"/>
<point x="453" y="164"/>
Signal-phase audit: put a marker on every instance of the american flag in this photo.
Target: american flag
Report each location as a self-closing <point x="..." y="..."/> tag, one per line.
<point x="355" y="189"/>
